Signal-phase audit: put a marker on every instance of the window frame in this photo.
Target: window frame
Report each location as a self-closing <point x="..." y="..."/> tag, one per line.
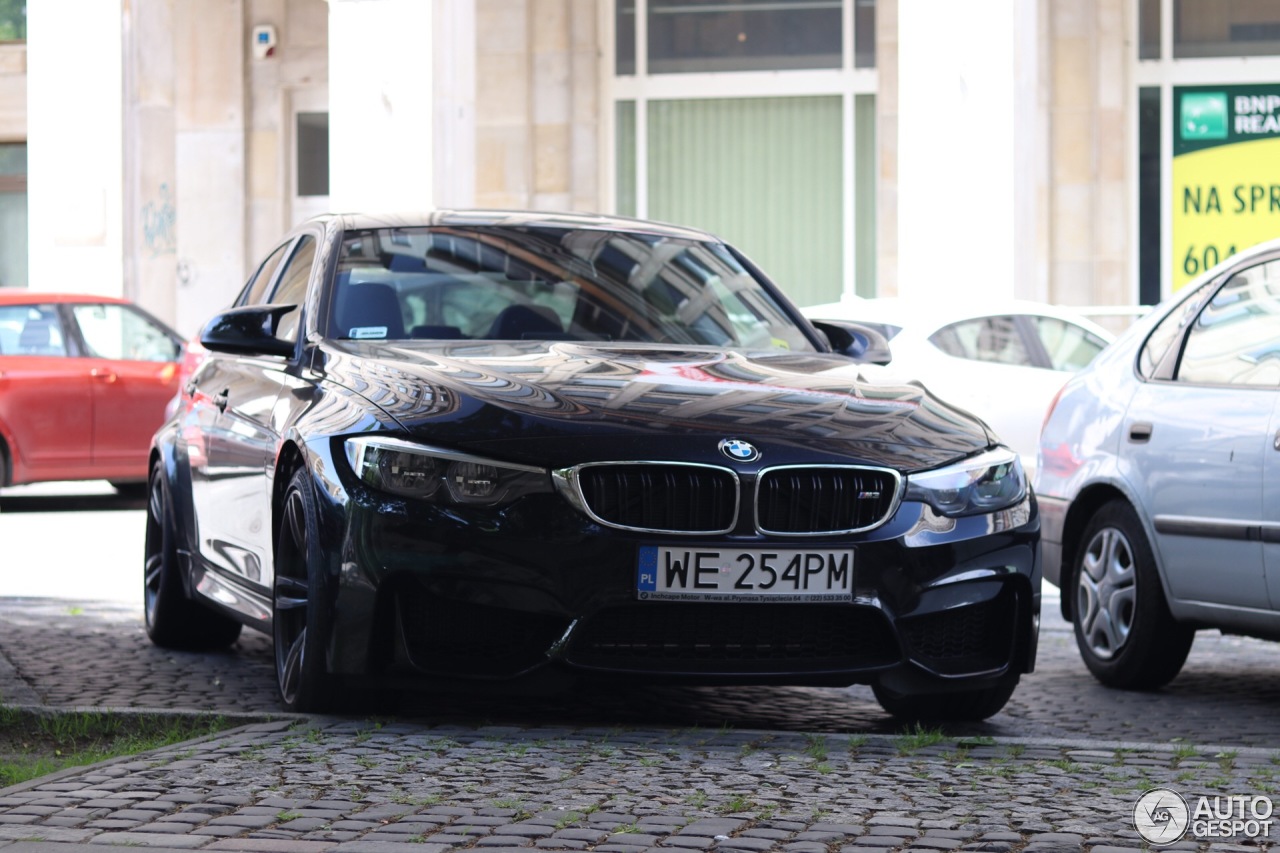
<point x="848" y="82"/>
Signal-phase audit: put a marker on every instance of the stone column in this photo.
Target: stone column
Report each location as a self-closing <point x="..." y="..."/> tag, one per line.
<point x="968" y="154"/>
<point x="74" y="156"/>
<point x="150" y="181"/>
<point x="381" y="105"/>
<point x="209" y="44"/>
<point x="538" y="104"/>
<point x="1092" y="149"/>
<point x="455" y="109"/>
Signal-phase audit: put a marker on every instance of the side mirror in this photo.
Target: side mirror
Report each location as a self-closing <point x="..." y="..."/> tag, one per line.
<point x="859" y="341"/>
<point x="250" y="330"/>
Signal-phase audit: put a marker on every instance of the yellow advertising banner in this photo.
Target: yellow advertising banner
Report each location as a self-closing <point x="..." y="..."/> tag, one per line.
<point x="1226" y="174"/>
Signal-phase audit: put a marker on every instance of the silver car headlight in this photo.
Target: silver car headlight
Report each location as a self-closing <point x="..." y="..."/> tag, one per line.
<point x="435" y="474"/>
<point x="984" y="483"/>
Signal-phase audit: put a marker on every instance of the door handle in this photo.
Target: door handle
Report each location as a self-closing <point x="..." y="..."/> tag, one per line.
<point x="1140" y="432"/>
<point x="220" y="400"/>
<point x="103" y="375"/>
<point x="1275" y="442"/>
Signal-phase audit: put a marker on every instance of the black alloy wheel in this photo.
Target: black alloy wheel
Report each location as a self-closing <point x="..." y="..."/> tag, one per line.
<point x="300" y="617"/>
<point x="1123" y="627"/>
<point x="172" y="619"/>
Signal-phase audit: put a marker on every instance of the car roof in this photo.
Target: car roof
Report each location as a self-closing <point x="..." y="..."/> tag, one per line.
<point x="509" y="218"/>
<point x="932" y="315"/>
<point x="22" y="296"/>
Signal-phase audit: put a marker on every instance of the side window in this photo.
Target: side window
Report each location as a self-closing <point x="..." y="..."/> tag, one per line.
<point x="118" y="332"/>
<point x="993" y="339"/>
<point x="292" y="289"/>
<point x="31" y="330"/>
<point x="1235" y="340"/>
<point x="1167" y="330"/>
<point x="255" y="291"/>
<point x="1069" y="346"/>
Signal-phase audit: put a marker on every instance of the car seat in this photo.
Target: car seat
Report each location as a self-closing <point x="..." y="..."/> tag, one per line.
<point x="37" y="338"/>
<point x="365" y="309"/>
<point x="525" y="322"/>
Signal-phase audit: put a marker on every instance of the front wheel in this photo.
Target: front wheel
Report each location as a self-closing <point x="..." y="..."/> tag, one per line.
<point x="956" y="706"/>
<point x="301" y="621"/>
<point x="173" y="620"/>
<point x="1123" y="627"/>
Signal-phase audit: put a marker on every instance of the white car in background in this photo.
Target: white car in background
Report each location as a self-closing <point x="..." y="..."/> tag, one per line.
<point x="1003" y="362"/>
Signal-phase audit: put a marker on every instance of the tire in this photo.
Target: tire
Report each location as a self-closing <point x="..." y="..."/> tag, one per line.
<point x="301" y="616"/>
<point x="173" y="620"/>
<point x="1123" y="627"/>
<point x="955" y="707"/>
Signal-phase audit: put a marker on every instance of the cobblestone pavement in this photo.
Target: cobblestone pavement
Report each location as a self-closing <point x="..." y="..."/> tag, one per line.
<point x="96" y="654"/>
<point x="628" y="770"/>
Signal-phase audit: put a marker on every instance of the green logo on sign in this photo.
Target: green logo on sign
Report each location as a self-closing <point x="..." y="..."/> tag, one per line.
<point x="1204" y="115"/>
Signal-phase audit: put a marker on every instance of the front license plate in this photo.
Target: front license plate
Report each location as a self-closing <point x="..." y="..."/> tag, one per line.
<point x="752" y="574"/>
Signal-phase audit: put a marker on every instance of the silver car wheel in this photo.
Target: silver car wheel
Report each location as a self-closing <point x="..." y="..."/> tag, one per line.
<point x="1106" y="593"/>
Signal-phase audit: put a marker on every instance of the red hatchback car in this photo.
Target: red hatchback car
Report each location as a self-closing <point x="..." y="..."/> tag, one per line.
<point x="84" y="381"/>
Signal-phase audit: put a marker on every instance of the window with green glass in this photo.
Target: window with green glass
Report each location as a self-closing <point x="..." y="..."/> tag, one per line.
<point x="1204" y="28"/>
<point x="742" y="35"/>
<point x="625" y="150"/>
<point x="1149" y="17"/>
<point x="13" y="215"/>
<point x="765" y="174"/>
<point x="865" y="166"/>
<point x="13" y="20"/>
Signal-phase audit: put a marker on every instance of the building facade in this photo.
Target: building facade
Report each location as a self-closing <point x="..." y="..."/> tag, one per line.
<point x="1084" y="152"/>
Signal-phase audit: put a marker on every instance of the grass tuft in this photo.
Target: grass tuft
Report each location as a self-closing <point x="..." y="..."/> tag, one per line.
<point x="35" y="744"/>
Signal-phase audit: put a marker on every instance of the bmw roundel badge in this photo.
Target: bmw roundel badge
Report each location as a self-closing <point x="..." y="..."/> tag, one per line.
<point x="739" y="450"/>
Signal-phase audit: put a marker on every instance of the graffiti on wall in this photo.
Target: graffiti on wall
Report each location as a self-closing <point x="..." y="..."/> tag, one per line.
<point x="158" y="218"/>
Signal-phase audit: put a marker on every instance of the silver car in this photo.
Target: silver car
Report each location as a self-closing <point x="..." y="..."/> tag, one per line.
<point x="1159" y="478"/>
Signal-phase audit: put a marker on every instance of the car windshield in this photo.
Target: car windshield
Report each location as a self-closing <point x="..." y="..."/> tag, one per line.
<point x="547" y="283"/>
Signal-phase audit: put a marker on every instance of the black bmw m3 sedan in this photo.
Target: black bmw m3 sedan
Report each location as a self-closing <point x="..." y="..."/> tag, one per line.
<point x="505" y="446"/>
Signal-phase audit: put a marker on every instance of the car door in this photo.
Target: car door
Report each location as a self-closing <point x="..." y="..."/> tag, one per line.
<point x="134" y="374"/>
<point x="1197" y="443"/>
<point x="1000" y="378"/>
<point x="1271" y="505"/>
<point x="46" y="400"/>
<point x="233" y="400"/>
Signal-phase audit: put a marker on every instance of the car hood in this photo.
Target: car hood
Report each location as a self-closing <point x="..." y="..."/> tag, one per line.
<point x="561" y="402"/>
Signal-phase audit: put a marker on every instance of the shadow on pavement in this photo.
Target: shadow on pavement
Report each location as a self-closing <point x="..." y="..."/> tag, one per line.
<point x="1228" y="694"/>
<point x="70" y="503"/>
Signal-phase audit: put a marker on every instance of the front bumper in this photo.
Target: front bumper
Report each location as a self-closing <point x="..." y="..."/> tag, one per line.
<point x="538" y="590"/>
<point x="1053" y="517"/>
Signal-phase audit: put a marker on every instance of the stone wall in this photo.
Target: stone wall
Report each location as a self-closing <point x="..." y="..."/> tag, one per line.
<point x="1090" y="161"/>
<point x="538" y="104"/>
<point x="13" y="92"/>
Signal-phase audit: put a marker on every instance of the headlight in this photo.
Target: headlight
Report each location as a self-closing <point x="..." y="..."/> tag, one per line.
<point x="431" y="473"/>
<point x="984" y="483"/>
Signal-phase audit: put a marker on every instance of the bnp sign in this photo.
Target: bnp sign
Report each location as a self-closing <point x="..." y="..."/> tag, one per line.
<point x="1226" y="173"/>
